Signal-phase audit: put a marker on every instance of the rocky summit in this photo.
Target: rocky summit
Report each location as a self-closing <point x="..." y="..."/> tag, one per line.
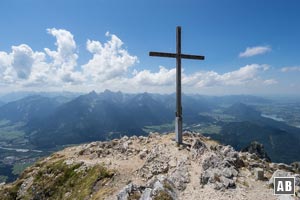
<point x="152" y="167"/>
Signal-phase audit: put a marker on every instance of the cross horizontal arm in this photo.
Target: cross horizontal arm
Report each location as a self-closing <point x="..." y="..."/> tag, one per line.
<point x="174" y="55"/>
<point x="195" y="57"/>
<point x="161" y="54"/>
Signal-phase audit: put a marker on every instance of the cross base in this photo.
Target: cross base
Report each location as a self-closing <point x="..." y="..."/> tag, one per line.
<point x="178" y="129"/>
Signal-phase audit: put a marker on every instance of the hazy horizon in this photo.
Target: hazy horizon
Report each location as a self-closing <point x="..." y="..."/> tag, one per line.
<point x="55" y="93"/>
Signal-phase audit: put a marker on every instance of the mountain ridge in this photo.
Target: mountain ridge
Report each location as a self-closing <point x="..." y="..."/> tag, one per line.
<point x="108" y="115"/>
<point x="152" y="167"/>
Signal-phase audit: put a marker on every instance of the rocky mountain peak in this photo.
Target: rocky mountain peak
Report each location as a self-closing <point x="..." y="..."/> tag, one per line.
<point x="152" y="167"/>
<point x="92" y="94"/>
<point x="258" y="149"/>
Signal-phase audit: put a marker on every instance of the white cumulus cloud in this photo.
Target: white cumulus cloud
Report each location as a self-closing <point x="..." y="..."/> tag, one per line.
<point x="20" y="64"/>
<point x="291" y="69"/>
<point x="241" y="76"/>
<point x="253" y="51"/>
<point x="270" y="82"/>
<point x="110" y="67"/>
<point x="163" y="77"/>
<point x="6" y="69"/>
<point x="25" y="67"/>
<point x="110" y="60"/>
<point x="22" y="60"/>
<point x="64" y="59"/>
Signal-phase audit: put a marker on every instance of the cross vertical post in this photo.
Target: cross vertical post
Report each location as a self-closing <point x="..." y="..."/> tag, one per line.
<point x="178" y="119"/>
<point x="178" y="55"/>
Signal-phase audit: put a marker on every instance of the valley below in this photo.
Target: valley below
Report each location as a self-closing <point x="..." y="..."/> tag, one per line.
<point x="35" y="126"/>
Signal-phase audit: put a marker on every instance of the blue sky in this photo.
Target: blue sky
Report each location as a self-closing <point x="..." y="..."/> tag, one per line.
<point x="251" y="47"/>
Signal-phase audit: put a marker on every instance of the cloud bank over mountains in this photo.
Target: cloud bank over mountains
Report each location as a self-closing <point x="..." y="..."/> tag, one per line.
<point x="111" y="66"/>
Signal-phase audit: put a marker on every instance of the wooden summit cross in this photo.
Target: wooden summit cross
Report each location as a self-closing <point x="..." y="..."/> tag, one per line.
<point x="178" y="55"/>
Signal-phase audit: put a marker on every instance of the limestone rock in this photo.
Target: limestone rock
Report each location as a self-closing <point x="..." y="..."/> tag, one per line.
<point x="219" y="171"/>
<point x="284" y="166"/>
<point x="180" y="177"/>
<point x="143" y="153"/>
<point x="153" y="189"/>
<point x="296" y="167"/>
<point x="297" y="179"/>
<point x="197" y="148"/>
<point x="259" y="174"/>
<point x="124" y="193"/>
<point x="156" y="163"/>
<point x="257" y="149"/>
<point x="24" y="187"/>
<point x="146" y="195"/>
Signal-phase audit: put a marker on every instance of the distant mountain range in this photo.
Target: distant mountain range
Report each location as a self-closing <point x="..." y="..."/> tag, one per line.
<point x="28" y="108"/>
<point x="281" y="141"/>
<point x="58" y="120"/>
<point x="107" y="115"/>
<point x="14" y="96"/>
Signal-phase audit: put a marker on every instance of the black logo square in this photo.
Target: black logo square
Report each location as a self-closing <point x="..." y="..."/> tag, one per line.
<point x="284" y="185"/>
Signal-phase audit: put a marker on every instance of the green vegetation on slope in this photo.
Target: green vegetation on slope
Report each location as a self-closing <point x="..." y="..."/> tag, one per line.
<point x="10" y="131"/>
<point x="159" y="128"/>
<point x="57" y="180"/>
<point x="18" y="168"/>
